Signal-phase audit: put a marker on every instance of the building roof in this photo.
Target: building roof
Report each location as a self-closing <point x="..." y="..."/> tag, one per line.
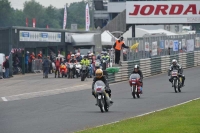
<point x="107" y="38"/>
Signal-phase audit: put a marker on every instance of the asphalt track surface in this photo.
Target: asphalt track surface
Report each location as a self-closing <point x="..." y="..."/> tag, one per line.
<point x="75" y="111"/>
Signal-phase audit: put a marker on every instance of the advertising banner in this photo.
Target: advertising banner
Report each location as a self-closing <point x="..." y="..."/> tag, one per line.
<point x="162" y="44"/>
<point x="35" y="36"/>
<point x="176" y="45"/>
<point x="146" y="46"/>
<point x="68" y="37"/>
<point x="197" y="42"/>
<point x="166" y="44"/>
<point x="154" y="48"/>
<point x="155" y="12"/>
<point x="190" y="45"/>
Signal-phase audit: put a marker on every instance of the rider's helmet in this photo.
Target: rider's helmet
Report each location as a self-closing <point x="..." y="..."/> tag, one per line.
<point x="136" y="67"/>
<point x="90" y="56"/>
<point x="99" y="73"/>
<point x="88" y="52"/>
<point x="174" y="62"/>
<point x="77" y="54"/>
<point x="72" y="56"/>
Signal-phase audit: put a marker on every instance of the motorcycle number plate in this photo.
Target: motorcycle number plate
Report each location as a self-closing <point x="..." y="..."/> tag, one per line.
<point x="99" y="96"/>
<point x="133" y="82"/>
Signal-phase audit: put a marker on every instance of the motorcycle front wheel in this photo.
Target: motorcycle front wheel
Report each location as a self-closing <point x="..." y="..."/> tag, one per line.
<point x="175" y="82"/>
<point x="133" y="91"/>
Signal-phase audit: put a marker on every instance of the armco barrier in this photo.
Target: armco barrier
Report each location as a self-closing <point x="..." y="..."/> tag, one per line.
<point x="154" y="66"/>
<point x="37" y="66"/>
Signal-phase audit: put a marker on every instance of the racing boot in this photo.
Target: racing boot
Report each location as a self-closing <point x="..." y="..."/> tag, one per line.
<point x="183" y="83"/>
<point x="141" y="90"/>
<point x="110" y="98"/>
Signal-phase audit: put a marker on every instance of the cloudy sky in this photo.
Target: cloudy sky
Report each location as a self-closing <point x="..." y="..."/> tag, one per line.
<point x="56" y="3"/>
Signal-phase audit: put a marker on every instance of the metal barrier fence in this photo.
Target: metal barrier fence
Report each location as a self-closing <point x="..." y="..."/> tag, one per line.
<point x="154" y="66"/>
<point x="156" y="46"/>
<point x="37" y="66"/>
<point x="1" y="71"/>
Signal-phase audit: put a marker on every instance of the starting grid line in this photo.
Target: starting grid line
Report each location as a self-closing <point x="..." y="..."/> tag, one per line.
<point x="45" y="93"/>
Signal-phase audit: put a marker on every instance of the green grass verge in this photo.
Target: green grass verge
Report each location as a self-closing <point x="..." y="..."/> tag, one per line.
<point x="180" y="119"/>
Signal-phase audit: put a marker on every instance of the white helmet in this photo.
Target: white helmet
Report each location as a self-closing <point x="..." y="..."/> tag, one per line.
<point x="174" y="62"/>
<point x="72" y="55"/>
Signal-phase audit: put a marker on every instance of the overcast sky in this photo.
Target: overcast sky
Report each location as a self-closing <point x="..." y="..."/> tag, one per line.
<point x="56" y="3"/>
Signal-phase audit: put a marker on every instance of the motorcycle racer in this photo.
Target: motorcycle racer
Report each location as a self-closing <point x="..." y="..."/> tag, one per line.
<point x="99" y="76"/>
<point x="176" y="66"/>
<point x="138" y="71"/>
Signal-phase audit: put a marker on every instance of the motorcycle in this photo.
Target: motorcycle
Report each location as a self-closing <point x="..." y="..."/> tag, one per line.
<point x="78" y="70"/>
<point x="97" y="65"/>
<point x="84" y="72"/>
<point x="135" y="84"/>
<point x="104" y="64"/>
<point x="71" y="67"/>
<point x="63" y="70"/>
<point x="103" y="100"/>
<point x="176" y="81"/>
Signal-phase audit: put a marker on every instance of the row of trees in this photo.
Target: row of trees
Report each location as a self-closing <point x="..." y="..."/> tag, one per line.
<point x="51" y="16"/>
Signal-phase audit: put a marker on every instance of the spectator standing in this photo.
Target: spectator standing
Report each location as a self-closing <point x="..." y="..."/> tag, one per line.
<point x="30" y="60"/>
<point x="39" y="56"/>
<point x="26" y="61"/>
<point x="118" y="46"/>
<point x="6" y="66"/>
<point x="57" y="63"/>
<point x="46" y="66"/>
<point x="50" y="65"/>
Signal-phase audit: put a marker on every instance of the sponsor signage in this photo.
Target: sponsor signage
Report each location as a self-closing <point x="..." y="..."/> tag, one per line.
<point x="68" y="37"/>
<point x="35" y="36"/>
<point x="145" y="12"/>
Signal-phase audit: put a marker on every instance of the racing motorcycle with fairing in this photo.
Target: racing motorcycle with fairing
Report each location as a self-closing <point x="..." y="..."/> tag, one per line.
<point x="103" y="100"/>
<point x="71" y="67"/>
<point x="84" y="72"/>
<point x="78" y="70"/>
<point x="176" y="81"/>
<point x="134" y="82"/>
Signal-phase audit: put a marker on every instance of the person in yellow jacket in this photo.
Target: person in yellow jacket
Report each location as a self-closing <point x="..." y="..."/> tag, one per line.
<point x="85" y="61"/>
<point x="118" y="46"/>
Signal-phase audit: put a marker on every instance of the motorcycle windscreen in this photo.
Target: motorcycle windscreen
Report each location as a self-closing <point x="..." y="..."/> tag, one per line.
<point x="99" y="84"/>
<point x="134" y="76"/>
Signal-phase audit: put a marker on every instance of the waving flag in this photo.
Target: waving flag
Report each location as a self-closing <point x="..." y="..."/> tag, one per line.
<point x="65" y="18"/>
<point x="87" y="18"/>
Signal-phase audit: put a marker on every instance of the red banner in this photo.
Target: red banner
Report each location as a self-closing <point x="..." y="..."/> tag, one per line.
<point x="34" y="22"/>
<point x="26" y="22"/>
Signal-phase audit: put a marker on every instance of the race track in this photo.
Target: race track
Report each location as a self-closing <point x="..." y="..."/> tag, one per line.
<point x="73" y="111"/>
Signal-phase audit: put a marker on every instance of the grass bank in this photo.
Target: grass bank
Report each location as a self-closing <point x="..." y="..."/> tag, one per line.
<point x="180" y="119"/>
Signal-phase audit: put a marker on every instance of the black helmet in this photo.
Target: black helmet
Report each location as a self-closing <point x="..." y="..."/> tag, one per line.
<point x="104" y="49"/>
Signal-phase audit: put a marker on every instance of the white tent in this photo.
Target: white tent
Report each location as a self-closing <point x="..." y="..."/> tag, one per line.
<point x="107" y="38"/>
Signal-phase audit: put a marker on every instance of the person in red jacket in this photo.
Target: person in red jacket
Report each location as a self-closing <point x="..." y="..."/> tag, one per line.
<point x="57" y="64"/>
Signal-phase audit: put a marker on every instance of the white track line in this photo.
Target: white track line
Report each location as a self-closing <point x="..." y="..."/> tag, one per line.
<point x="145" y="113"/>
<point x="41" y="93"/>
<point x="4" y="99"/>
